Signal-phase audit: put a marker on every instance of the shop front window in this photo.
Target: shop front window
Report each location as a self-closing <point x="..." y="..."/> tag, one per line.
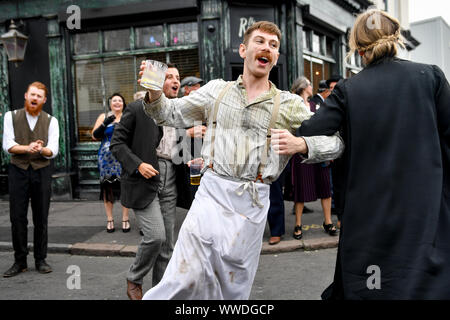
<point x="106" y="62"/>
<point x="319" y="58"/>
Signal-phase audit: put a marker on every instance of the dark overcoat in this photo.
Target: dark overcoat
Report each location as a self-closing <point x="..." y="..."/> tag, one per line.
<point x="134" y="141"/>
<point x="395" y="236"/>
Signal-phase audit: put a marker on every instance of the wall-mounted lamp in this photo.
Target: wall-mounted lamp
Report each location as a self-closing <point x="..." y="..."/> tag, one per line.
<point x="15" y="43"/>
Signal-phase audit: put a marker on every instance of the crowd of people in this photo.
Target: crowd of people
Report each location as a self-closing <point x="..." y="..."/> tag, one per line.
<point x="393" y="139"/>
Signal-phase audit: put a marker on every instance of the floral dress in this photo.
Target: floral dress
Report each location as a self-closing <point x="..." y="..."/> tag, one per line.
<point x="110" y="169"/>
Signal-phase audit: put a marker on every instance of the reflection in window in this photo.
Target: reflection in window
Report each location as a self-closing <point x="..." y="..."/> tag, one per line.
<point x="306" y="41"/>
<point x="84" y="43"/>
<point x="316" y="43"/>
<point x="150" y="37"/>
<point x="89" y="95"/>
<point x="183" y="33"/>
<point x="117" y="40"/>
<point x="119" y="77"/>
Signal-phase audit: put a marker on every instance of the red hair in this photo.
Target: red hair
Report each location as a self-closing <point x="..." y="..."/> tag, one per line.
<point x="38" y="85"/>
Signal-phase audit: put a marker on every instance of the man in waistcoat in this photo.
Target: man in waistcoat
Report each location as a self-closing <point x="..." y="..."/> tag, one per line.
<point x="31" y="137"/>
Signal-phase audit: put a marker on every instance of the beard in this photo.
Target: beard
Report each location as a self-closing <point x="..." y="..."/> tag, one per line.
<point x="33" y="110"/>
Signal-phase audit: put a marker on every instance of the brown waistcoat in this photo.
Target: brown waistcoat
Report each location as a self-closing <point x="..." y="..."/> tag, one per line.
<point x="24" y="136"/>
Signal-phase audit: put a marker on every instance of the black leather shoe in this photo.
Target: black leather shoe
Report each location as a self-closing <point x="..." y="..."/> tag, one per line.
<point x="307" y="210"/>
<point x="43" y="267"/>
<point x="15" y="270"/>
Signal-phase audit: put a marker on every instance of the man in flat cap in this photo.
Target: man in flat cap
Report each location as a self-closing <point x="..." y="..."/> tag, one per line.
<point x="190" y="83"/>
<point x="191" y="149"/>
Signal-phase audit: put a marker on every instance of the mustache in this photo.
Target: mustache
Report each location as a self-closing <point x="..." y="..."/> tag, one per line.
<point x="264" y="55"/>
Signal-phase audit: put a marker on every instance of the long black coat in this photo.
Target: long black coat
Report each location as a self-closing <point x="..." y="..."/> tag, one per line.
<point x="396" y="215"/>
<point x="134" y="141"/>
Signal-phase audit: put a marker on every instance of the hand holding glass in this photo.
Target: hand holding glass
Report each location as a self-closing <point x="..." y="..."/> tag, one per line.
<point x="154" y="75"/>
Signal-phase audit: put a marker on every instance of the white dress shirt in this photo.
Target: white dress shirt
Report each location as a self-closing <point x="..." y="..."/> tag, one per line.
<point x="9" y="137"/>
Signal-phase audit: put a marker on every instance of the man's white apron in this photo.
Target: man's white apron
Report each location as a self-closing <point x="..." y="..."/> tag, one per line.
<point x="218" y="248"/>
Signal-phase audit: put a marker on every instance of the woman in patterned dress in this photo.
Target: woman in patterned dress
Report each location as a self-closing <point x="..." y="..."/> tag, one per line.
<point x="110" y="169"/>
<point x="310" y="181"/>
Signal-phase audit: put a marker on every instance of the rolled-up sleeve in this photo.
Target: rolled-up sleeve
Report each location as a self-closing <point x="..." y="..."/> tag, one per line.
<point x="53" y="138"/>
<point x="323" y="148"/>
<point x="8" y="133"/>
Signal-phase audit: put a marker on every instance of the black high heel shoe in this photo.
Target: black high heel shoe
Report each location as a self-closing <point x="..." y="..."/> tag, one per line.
<point x="297" y="229"/>
<point x="109" y="224"/>
<point x="125" y="223"/>
<point x="330" y="229"/>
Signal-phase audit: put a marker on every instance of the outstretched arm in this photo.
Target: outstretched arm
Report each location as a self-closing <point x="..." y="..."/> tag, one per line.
<point x="180" y="113"/>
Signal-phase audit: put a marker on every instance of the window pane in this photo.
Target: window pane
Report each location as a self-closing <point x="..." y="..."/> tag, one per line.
<point x="305" y="41"/>
<point x="187" y="62"/>
<point x="149" y="37"/>
<point x="183" y="33"/>
<point x="316" y="76"/>
<point x="307" y="69"/>
<point x="85" y="43"/>
<point x="316" y="43"/>
<point x="117" y="40"/>
<point x="330" y="44"/>
<point x="119" y="77"/>
<point x="89" y="96"/>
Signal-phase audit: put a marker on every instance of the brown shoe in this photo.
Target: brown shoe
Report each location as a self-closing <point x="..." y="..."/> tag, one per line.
<point x="274" y="240"/>
<point x="134" y="290"/>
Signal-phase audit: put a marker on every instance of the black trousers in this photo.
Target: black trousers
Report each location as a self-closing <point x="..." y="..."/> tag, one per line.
<point x="23" y="186"/>
<point x="275" y="216"/>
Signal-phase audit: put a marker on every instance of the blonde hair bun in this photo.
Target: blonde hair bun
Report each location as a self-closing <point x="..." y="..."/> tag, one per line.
<point x="376" y="34"/>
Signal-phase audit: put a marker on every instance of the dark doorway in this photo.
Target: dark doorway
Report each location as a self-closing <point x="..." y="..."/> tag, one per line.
<point x="35" y="66"/>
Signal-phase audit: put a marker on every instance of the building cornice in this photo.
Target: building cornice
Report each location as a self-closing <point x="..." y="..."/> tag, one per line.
<point x="354" y="6"/>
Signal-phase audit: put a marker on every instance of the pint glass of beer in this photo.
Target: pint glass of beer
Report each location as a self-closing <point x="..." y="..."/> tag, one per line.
<point x="195" y="169"/>
<point x="154" y="75"/>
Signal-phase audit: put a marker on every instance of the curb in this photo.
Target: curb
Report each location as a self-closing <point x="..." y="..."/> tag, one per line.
<point x="307" y="245"/>
<point x="103" y="249"/>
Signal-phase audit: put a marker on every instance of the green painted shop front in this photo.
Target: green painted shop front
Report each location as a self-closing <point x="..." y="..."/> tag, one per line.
<point x="84" y="64"/>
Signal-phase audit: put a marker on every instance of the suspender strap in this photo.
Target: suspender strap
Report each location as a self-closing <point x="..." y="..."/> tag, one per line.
<point x="214" y="118"/>
<point x="273" y="119"/>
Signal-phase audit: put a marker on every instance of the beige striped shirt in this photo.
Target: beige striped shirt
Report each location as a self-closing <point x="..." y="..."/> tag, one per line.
<point x="242" y="128"/>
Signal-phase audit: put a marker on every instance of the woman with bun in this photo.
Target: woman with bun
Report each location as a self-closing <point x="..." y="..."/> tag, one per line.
<point x="395" y="240"/>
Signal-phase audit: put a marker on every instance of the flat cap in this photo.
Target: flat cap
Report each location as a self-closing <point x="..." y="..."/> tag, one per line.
<point x="190" y="81"/>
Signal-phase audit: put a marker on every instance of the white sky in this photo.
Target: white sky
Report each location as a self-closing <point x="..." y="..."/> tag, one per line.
<point x="424" y="9"/>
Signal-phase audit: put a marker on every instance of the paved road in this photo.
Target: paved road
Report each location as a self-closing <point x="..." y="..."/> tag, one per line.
<point x="299" y="275"/>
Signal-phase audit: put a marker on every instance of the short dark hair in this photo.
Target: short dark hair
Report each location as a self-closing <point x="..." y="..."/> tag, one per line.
<point x="172" y="65"/>
<point x="334" y="78"/>
<point x="116" y="94"/>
